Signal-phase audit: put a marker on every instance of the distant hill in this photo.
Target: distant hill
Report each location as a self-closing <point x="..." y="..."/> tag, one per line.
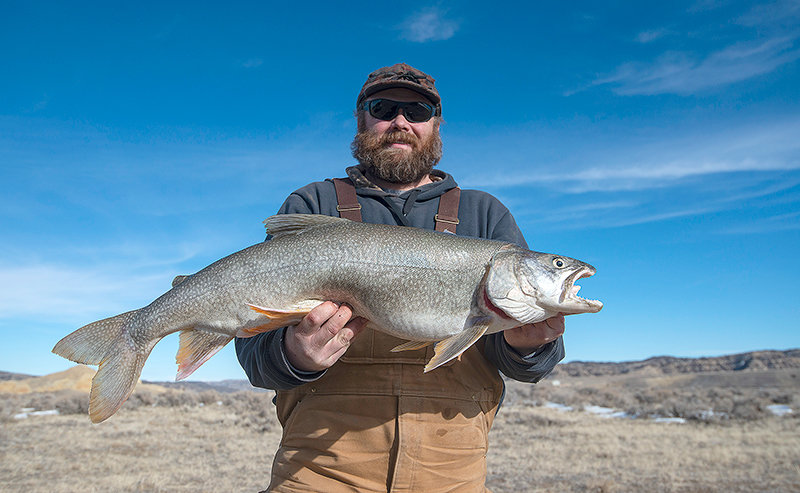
<point x="76" y="378"/>
<point x="222" y="386"/>
<point x="668" y="365"/>
<point x="5" y="375"/>
<point x="79" y="377"/>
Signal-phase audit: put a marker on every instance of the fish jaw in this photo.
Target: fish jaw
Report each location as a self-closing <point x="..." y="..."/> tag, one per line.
<point x="569" y="299"/>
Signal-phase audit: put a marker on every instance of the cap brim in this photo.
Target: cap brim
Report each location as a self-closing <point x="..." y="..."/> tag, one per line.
<point x="380" y="86"/>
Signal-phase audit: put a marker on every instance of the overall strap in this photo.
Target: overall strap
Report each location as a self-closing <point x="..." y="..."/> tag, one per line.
<point x="349" y="208"/>
<point x="348" y="205"/>
<point x="447" y="216"/>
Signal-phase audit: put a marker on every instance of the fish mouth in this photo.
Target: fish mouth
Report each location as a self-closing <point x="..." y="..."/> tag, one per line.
<point x="569" y="293"/>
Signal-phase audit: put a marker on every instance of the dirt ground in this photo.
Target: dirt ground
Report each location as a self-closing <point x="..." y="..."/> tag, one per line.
<point x="533" y="449"/>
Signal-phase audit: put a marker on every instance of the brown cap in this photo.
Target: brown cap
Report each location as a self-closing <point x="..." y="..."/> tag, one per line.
<point x="400" y="75"/>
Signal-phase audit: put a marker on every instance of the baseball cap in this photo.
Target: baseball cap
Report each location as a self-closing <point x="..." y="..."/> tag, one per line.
<point x="400" y="75"/>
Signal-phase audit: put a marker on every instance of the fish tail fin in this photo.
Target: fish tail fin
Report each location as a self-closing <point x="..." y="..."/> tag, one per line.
<point x="106" y="343"/>
<point x="195" y="348"/>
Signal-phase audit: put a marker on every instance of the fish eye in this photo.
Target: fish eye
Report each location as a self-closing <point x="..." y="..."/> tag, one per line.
<point x="559" y="263"/>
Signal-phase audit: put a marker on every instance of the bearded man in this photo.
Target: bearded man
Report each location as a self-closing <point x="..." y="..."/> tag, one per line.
<point x="356" y="416"/>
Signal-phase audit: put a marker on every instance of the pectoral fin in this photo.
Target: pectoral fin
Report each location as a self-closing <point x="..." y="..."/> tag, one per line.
<point x="411" y="346"/>
<point x="195" y="348"/>
<point x="452" y="347"/>
<point x="278" y="318"/>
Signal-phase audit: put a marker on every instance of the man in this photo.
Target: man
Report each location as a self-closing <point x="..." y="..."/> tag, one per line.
<point x="356" y="416"/>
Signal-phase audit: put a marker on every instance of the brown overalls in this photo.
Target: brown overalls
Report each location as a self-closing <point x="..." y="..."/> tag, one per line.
<point x="376" y="423"/>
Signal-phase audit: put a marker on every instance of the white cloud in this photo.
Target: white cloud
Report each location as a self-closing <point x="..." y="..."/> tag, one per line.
<point x="428" y="25"/>
<point x="651" y="35"/>
<point x="779" y="14"/>
<point x="252" y="63"/>
<point x="610" y="183"/>
<point x="682" y="73"/>
<point x="771" y="41"/>
<point x="88" y="282"/>
<point x="782" y="222"/>
<point x="53" y="292"/>
<point x="609" y="166"/>
<point x="629" y="173"/>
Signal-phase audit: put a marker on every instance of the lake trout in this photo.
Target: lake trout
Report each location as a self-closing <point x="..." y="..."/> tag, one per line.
<point x="421" y="286"/>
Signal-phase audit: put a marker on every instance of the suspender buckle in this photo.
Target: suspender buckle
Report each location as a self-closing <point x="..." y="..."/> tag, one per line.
<point x="449" y="220"/>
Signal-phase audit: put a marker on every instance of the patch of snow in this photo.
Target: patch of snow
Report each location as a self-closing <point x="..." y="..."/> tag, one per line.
<point x="780" y="409"/>
<point x="560" y="407"/>
<point x="669" y="420"/>
<point x="556" y="383"/>
<point x="606" y="412"/>
<point x="28" y="411"/>
<point x="707" y="414"/>
<point x="49" y="412"/>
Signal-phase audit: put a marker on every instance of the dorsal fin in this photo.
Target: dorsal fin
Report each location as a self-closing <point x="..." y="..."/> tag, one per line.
<point x="294" y="224"/>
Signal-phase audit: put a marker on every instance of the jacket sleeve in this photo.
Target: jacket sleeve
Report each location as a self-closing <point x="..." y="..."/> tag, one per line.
<point x="264" y="361"/>
<point x="263" y="357"/>
<point x="524" y="368"/>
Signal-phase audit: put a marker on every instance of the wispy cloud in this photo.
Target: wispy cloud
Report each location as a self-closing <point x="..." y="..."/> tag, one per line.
<point x="752" y="148"/>
<point x="781" y="222"/>
<point x="768" y="38"/>
<point x="39" y="290"/>
<point x="705" y="5"/>
<point x="252" y="63"/>
<point x="428" y="25"/>
<point x="651" y="35"/>
<point x="616" y="184"/>
<point x="779" y="14"/>
<point x="682" y="73"/>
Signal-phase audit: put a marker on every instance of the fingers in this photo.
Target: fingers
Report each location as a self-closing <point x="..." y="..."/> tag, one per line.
<point x="528" y="338"/>
<point x="351" y="330"/>
<point x="321" y="338"/>
<point x="316" y="318"/>
<point x="556" y="325"/>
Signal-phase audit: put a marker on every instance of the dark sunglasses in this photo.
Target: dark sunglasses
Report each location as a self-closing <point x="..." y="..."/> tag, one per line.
<point x="387" y="110"/>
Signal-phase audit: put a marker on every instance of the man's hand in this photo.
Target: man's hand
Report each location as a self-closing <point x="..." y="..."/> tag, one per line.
<point x="528" y="338"/>
<point x="322" y="337"/>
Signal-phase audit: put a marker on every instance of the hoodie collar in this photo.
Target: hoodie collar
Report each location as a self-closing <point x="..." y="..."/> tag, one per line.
<point x="442" y="182"/>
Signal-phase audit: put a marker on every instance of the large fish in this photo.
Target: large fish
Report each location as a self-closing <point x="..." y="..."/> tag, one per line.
<point x="418" y="285"/>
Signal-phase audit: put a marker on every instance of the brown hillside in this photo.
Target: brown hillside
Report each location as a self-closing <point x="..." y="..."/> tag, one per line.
<point x="667" y="365"/>
<point x="76" y="378"/>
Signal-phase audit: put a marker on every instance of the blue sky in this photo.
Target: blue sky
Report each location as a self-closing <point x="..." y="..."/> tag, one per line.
<point x="660" y="143"/>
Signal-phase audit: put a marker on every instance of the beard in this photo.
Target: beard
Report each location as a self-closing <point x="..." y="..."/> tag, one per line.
<point x="379" y="159"/>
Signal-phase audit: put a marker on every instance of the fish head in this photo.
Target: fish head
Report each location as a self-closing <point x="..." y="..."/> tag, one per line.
<point x="532" y="286"/>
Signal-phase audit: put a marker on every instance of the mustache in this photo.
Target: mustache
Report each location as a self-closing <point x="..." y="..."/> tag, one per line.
<point x="398" y="137"/>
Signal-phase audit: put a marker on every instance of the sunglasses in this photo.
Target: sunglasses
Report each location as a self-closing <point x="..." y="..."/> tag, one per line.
<point x="387" y="110"/>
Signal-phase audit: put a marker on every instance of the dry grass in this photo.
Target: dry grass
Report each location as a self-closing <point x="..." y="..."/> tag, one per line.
<point x="170" y="442"/>
<point x="576" y="452"/>
<point x="144" y="448"/>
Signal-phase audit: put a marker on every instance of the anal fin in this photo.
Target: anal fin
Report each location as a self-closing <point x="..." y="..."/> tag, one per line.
<point x="452" y="347"/>
<point x="195" y="348"/>
<point x="411" y="346"/>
